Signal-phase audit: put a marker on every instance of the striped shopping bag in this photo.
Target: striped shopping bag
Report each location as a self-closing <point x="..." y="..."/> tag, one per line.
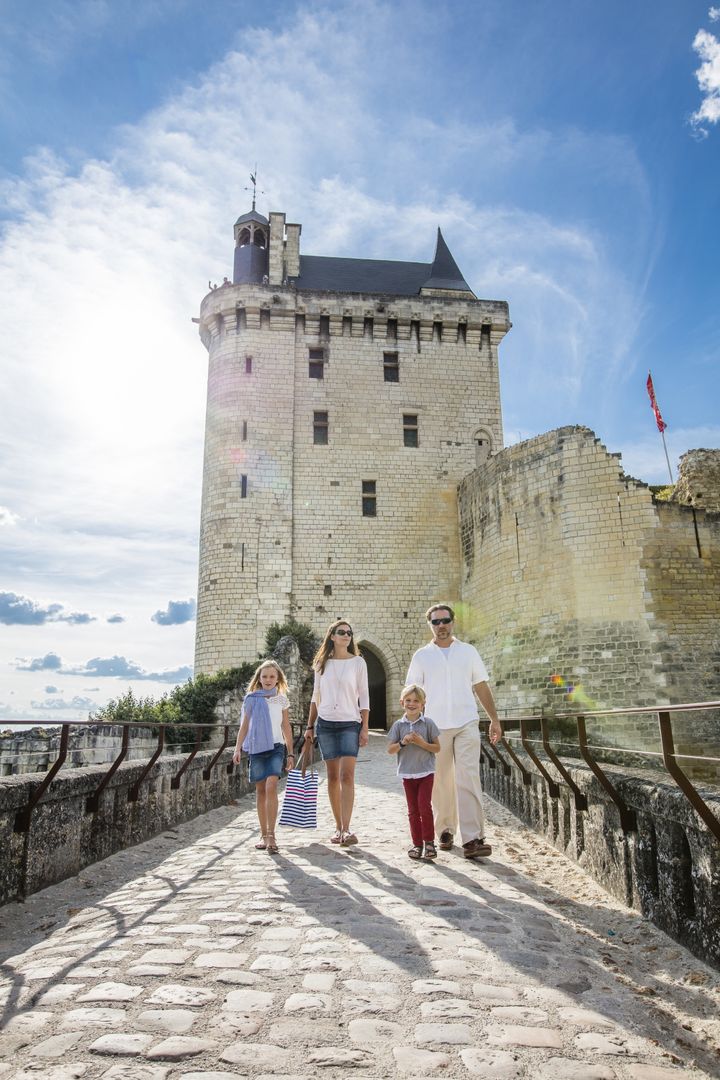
<point x="299" y="808"/>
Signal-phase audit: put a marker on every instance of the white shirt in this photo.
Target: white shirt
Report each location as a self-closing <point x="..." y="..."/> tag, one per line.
<point x="342" y="690"/>
<point x="447" y="676"/>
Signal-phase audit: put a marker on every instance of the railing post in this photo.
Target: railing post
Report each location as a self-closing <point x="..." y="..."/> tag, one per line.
<point x="553" y="787"/>
<point x="628" y="817"/>
<point x="22" y="818"/>
<point x="134" y="791"/>
<point x="581" y="802"/>
<point x="208" y="772"/>
<point x="175" y="782"/>
<point x="92" y="804"/>
<point x="696" y="801"/>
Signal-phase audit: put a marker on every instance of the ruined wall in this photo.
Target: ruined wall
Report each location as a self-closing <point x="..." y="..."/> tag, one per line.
<point x="698" y="482"/>
<point x="571" y="568"/>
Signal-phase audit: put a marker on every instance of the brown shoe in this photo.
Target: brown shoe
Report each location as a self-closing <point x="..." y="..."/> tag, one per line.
<point x="446" y="841"/>
<point x="476" y="849"/>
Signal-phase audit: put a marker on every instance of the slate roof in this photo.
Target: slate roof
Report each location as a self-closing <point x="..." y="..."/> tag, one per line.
<point x="252" y="215"/>
<point x="329" y="274"/>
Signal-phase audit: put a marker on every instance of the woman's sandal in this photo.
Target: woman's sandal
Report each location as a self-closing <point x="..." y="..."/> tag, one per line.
<point x="272" y="848"/>
<point x="263" y="843"/>
<point x="336" y="837"/>
<point x="348" y="839"/>
<point x="415" y="853"/>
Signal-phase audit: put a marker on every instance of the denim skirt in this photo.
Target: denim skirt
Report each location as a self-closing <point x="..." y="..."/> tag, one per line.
<point x="336" y="740"/>
<point x="269" y="763"/>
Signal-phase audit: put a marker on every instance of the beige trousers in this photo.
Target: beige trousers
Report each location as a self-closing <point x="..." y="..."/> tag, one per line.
<point x="457" y="791"/>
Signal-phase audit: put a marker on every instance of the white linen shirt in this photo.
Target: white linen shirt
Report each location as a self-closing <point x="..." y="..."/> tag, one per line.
<point x="447" y="676"/>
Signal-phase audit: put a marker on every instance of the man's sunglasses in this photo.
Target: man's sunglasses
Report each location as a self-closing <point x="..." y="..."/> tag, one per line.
<point x="344" y="633"/>
<point x="440" y="622"/>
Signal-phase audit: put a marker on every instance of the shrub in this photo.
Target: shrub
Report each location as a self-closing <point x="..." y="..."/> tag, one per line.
<point x="303" y="634"/>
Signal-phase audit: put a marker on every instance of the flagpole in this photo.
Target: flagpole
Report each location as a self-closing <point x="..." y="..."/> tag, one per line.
<point x="661" y="425"/>
<point x="666" y="457"/>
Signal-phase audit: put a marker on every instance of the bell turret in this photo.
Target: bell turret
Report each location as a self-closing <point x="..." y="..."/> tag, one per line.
<point x="252" y="235"/>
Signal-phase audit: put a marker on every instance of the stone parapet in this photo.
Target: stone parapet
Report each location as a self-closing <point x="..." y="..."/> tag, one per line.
<point x="63" y="837"/>
<point x="669" y="870"/>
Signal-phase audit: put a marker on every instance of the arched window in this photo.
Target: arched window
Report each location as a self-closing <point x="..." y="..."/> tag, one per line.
<point x="483" y="445"/>
<point x="244" y="238"/>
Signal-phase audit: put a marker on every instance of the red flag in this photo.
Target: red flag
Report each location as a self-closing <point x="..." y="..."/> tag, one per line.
<point x="654" y="405"/>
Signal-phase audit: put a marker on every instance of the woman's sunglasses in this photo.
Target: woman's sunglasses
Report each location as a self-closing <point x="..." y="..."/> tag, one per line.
<point x="343" y="633"/>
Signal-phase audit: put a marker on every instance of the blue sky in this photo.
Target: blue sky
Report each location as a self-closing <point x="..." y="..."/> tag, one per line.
<point x="569" y="150"/>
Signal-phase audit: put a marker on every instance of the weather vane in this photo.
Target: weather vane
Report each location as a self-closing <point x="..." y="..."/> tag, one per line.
<point x="253" y="181"/>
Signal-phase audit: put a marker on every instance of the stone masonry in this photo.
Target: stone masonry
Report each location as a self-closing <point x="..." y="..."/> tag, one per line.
<point x="195" y="956"/>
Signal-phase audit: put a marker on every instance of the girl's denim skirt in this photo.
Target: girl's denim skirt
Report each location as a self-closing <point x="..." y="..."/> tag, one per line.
<point x="336" y="740"/>
<point x="269" y="763"/>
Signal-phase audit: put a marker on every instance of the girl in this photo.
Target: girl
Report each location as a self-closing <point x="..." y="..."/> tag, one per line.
<point x="341" y="706"/>
<point x="265" y="726"/>
<point x="416" y="740"/>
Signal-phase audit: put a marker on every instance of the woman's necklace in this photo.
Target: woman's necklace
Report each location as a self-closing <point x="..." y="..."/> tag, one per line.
<point x="338" y="680"/>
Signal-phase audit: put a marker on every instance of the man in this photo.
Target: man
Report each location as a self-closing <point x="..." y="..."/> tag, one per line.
<point x="452" y="673"/>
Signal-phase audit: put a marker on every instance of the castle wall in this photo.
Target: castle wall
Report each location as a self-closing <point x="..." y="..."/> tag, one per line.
<point x="308" y="549"/>
<point x="571" y="568"/>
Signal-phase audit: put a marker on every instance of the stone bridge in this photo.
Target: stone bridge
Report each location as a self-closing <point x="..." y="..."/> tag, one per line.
<point x="195" y="956"/>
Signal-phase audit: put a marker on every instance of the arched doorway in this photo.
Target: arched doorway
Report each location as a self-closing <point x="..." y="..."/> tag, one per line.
<point x="376" y="681"/>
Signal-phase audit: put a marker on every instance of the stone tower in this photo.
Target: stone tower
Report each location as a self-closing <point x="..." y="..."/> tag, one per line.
<point x="346" y="400"/>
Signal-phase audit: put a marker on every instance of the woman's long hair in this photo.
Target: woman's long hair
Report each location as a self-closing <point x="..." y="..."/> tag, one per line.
<point x="255" y="684"/>
<point x="325" y="651"/>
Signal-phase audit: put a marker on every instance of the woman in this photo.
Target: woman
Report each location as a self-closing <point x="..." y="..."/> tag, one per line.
<point x="340" y="708"/>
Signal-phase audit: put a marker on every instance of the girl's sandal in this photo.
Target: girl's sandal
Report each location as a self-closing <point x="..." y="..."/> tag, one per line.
<point x="272" y="848"/>
<point x="415" y="853"/>
<point x="263" y="843"/>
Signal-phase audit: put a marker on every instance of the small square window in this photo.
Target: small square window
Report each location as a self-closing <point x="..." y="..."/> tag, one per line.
<point x="320" y="428"/>
<point x="410" y="429"/>
<point x="369" y="499"/>
<point x="391" y="367"/>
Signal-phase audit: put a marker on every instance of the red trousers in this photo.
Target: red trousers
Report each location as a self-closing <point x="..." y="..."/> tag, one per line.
<point x="419" y="794"/>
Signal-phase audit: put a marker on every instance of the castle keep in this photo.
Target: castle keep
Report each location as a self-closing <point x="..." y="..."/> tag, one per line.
<point x="354" y="467"/>
<point x="346" y="400"/>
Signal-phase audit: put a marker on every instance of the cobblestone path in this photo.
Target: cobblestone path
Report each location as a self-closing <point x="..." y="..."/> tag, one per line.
<point x="195" y="956"/>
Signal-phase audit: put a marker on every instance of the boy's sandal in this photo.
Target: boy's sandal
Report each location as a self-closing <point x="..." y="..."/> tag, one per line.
<point x="348" y="839"/>
<point x="336" y="837"/>
<point x="263" y="843"/>
<point x="429" y="851"/>
<point x="415" y="853"/>
<point x="272" y="848"/>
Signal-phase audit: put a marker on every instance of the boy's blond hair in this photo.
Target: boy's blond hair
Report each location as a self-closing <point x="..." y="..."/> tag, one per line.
<point x="413" y="688"/>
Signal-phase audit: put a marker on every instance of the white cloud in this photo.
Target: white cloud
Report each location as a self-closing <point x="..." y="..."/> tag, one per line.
<point x="707" y="46"/>
<point x="714" y="14"/>
<point x="7" y="517"/>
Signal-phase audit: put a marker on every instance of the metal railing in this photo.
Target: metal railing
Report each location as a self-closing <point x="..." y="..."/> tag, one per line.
<point x="493" y="755"/>
<point x="628" y="818"/>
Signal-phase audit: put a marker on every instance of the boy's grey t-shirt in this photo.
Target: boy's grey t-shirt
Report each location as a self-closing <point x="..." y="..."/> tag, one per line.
<point x="414" y="760"/>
